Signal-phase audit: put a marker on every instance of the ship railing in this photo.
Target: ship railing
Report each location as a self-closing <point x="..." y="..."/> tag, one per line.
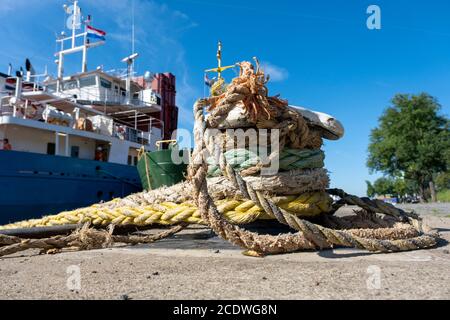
<point x="141" y="137"/>
<point x="5" y="108"/>
<point x="104" y="96"/>
<point x="113" y="97"/>
<point x="137" y="127"/>
<point x="33" y="84"/>
<point x="16" y="110"/>
<point x="120" y="130"/>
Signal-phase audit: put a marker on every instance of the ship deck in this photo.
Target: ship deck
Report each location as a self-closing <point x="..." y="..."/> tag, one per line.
<point x="62" y="103"/>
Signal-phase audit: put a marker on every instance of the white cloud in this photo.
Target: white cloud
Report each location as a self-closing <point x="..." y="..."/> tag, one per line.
<point x="276" y="73"/>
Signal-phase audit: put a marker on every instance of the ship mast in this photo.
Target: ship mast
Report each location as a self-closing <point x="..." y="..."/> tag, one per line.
<point x="73" y="48"/>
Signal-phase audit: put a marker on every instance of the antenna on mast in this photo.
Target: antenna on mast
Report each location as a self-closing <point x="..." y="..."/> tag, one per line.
<point x="74" y="22"/>
<point x="133" y="34"/>
<point x="130" y="62"/>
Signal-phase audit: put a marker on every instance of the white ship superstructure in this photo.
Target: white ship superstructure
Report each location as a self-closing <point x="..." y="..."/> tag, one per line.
<point x="73" y="140"/>
<point x="76" y="115"/>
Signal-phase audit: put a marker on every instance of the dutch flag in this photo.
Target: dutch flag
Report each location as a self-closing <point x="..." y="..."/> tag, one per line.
<point x="95" y="33"/>
<point x="209" y="82"/>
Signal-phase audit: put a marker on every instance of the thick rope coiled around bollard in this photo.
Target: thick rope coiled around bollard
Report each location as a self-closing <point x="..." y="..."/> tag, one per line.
<point x="310" y="235"/>
<point x="289" y="159"/>
<point x="250" y="203"/>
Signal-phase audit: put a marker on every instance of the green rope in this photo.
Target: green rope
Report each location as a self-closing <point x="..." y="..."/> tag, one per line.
<point x="290" y="159"/>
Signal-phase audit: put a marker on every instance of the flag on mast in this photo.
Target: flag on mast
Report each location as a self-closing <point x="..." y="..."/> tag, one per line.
<point x="95" y="33"/>
<point x="208" y="82"/>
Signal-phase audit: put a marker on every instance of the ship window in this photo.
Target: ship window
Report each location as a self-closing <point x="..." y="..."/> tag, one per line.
<point x="87" y="82"/>
<point x="51" y="87"/>
<point x="129" y="160"/>
<point x="75" y="152"/>
<point x="51" y="147"/>
<point x="135" y="161"/>
<point x="68" y="85"/>
<point x="105" y="83"/>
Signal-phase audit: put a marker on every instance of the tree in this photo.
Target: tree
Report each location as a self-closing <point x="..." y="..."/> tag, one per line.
<point x="443" y="181"/>
<point x="389" y="186"/>
<point x="371" y="192"/>
<point x="412" y="142"/>
<point x="384" y="186"/>
<point x="403" y="187"/>
<point x="381" y="187"/>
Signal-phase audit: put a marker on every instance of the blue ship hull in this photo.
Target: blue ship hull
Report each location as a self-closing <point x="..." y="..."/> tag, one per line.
<point x="33" y="185"/>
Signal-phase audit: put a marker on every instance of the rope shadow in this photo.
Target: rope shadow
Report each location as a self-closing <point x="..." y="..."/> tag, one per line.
<point x="442" y="243"/>
<point x="330" y="254"/>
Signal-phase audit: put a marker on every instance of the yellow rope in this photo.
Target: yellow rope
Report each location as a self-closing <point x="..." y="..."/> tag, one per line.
<point x="169" y="213"/>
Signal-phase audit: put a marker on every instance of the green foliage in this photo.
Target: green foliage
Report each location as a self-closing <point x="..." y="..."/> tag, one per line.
<point x="384" y="186"/>
<point x="390" y="186"/>
<point x="371" y="192"/>
<point x="412" y="140"/>
<point x="444" y="195"/>
<point x="443" y="181"/>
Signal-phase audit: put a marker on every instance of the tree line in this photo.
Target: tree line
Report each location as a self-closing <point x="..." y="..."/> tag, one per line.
<point x="411" y="147"/>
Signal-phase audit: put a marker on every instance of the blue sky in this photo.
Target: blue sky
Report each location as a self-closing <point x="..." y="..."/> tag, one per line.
<point x="320" y="53"/>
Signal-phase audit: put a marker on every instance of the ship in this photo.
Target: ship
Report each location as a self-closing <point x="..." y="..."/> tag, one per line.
<point x="70" y="141"/>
